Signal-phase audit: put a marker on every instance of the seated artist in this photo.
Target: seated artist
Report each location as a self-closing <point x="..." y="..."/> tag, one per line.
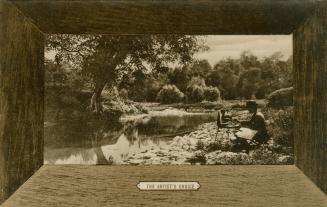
<point x="256" y="123"/>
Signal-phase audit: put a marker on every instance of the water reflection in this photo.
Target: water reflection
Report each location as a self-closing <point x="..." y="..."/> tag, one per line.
<point x="78" y="143"/>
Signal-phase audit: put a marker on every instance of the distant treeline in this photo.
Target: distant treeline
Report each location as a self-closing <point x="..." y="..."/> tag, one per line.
<point x="243" y="78"/>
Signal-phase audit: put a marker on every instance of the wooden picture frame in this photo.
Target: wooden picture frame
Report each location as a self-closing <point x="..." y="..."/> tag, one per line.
<point x="24" y="24"/>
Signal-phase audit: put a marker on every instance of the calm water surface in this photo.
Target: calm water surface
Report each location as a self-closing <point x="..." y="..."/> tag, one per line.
<point x="76" y="142"/>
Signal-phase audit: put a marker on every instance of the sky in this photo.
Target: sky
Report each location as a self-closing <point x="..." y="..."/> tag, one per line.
<point x="223" y="46"/>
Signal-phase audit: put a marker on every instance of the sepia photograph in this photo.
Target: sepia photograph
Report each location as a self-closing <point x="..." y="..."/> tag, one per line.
<point x="169" y="100"/>
<point x="163" y="103"/>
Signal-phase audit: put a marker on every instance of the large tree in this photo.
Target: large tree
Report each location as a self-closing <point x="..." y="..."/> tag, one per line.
<point x="105" y="59"/>
<point x="227" y="70"/>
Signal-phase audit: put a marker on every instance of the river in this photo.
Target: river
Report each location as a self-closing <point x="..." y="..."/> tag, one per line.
<point x="74" y="142"/>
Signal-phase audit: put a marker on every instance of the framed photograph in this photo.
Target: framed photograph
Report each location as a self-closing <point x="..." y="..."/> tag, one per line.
<point x="158" y="103"/>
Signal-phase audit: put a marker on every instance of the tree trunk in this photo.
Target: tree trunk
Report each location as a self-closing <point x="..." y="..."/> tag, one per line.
<point x="96" y="104"/>
<point x="101" y="81"/>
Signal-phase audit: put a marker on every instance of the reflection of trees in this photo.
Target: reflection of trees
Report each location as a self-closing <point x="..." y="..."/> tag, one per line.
<point x="106" y="133"/>
<point x="96" y="145"/>
<point x="100" y="137"/>
<point x="131" y="132"/>
<point x="75" y="127"/>
<point x="101" y="159"/>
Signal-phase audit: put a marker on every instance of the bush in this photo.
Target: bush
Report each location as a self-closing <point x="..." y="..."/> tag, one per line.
<point x="211" y="94"/>
<point x="280" y="98"/>
<point x="280" y="127"/>
<point x="222" y="145"/>
<point x="264" y="156"/>
<point x="196" y="81"/>
<point x="195" y="93"/>
<point x="198" y="93"/>
<point x="170" y="94"/>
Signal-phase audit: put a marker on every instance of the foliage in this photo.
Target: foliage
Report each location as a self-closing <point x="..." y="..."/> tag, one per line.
<point x="140" y="65"/>
<point x="143" y="87"/>
<point x="152" y="88"/>
<point x="129" y="51"/>
<point x="281" y="98"/>
<point x="218" y="144"/>
<point x="280" y="127"/>
<point x="228" y="73"/>
<point x="105" y="59"/>
<point x="59" y="75"/>
<point x="248" y="60"/>
<point x="211" y="94"/>
<point x="278" y="150"/>
<point x="249" y="82"/>
<point x="264" y="155"/>
<point x="170" y="94"/>
<point x="196" y="81"/>
<point x="195" y="93"/>
<point x="249" y="77"/>
<point x="180" y="77"/>
<point x="214" y="79"/>
<point x="200" y="68"/>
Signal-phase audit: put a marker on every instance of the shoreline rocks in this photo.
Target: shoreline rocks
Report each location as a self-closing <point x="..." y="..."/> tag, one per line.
<point x="202" y="146"/>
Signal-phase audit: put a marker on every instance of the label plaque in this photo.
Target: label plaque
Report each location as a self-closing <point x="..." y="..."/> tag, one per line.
<point x="169" y="186"/>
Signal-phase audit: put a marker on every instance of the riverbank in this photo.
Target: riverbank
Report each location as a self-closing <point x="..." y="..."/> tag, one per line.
<point x="176" y="132"/>
<point x="206" y="146"/>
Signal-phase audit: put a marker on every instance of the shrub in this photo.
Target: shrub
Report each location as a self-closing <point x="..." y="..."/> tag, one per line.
<point x="196" y="81"/>
<point x="280" y="127"/>
<point x="170" y="94"/>
<point x="211" y="94"/>
<point x="264" y="156"/>
<point x="222" y="145"/>
<point x="195" y="93"/>
<point x="281" y="98"/>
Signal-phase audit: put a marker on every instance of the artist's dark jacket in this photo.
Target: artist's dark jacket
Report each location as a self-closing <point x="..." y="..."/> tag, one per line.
<point x="257" y="123"/>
